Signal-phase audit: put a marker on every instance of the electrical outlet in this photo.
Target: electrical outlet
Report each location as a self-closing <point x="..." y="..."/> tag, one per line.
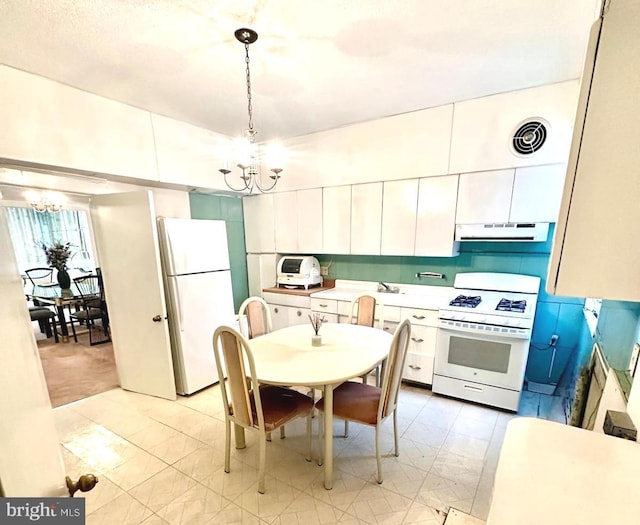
<point x="554" y="340"/>
<point x="324" y="271"/>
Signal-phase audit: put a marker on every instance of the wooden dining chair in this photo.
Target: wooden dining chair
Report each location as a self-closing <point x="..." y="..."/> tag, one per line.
<point x="364" y="311"/>
<point x="263" y="408"/>
<point x="258" y="317"/>
<point x="372" y="405"/>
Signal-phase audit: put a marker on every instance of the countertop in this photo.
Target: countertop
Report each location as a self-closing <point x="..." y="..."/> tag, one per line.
<point x="410" y="296"/>
<point x="554" y="474"/>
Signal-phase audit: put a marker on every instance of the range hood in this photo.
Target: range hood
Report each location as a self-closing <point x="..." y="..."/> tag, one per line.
<point x="504" y="231"/>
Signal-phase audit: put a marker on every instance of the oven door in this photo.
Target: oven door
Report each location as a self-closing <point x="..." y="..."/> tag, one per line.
<point x="495" y="360"/>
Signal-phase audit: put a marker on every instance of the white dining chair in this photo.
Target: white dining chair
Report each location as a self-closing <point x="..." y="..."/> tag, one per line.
<point x="254" y="317"/>
<point x="372" y="405"/>
<point x="263" y="408"/>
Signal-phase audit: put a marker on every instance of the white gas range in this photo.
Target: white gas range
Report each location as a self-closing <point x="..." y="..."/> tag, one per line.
<point x="483" y="338"/>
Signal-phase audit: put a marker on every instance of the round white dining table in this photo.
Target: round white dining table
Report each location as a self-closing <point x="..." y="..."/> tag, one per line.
<point x="287" y="357"/>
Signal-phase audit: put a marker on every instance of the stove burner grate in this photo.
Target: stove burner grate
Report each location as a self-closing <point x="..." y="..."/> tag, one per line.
<point x="466" y="301"/>
<point x="506" y="305"/>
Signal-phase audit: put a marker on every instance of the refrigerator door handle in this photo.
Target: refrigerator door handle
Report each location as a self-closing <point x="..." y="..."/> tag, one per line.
<point x="178" y="303"/>
<point x="171" y="263"/>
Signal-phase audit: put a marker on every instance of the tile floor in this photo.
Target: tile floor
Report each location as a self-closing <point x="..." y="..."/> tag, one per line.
<point x="162" y="462"/>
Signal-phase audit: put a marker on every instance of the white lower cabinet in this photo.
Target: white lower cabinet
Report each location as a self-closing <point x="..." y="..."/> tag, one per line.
<point x="287" y="310"/>
<point x="421" y="353"/>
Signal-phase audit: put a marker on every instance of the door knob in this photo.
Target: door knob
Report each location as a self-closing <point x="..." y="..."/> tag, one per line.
<point x="156" y="318"/>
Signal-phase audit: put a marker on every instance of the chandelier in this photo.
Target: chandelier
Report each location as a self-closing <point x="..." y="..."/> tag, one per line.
<point x="45" y="202"/>
<point x="247" y="151"/>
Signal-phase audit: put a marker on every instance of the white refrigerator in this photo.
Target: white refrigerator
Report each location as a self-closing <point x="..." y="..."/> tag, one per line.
<point x="197" y="277"/>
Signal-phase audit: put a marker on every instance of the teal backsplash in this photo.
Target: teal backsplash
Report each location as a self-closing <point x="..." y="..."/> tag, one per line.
<point x="228" y="209"/>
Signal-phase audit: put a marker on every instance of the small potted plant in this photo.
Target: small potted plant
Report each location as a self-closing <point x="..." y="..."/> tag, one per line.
<point x="57" y="256"/>
<point x="316" y="321"/>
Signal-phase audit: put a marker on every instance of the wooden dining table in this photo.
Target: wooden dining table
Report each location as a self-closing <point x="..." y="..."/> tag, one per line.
<point x="287" y="357"/>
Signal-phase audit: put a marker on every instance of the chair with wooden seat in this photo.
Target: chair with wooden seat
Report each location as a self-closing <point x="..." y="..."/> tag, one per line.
<point x="372" y="405"/>
<point x="262" y="408"/>
<point x="93" y="308"/>
<point x="258" y="317"/>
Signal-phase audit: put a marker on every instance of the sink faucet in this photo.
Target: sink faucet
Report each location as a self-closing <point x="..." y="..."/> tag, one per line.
<point x="385" y="288"/>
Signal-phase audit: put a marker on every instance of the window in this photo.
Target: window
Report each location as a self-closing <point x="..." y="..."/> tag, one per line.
<point x="30" y="229"/>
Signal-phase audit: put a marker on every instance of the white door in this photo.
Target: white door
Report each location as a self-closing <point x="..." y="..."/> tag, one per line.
<point x="30" y="462"/>
<point x="127" y="243"/>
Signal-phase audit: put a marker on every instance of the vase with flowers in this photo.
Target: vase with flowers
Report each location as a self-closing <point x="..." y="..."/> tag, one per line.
<point x="57" y="256"/>
<point x="316" y="321"/>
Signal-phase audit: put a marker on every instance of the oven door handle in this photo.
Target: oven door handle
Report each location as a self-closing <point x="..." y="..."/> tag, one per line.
<point x="474" y="388"/>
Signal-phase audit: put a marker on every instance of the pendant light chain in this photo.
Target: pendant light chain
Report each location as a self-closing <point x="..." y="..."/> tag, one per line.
<point x="250" y="157"/>
<point x="249" y="106"/>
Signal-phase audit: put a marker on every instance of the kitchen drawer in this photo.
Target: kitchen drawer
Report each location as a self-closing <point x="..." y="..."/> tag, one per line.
<point x="390" y="326"/>
<point x="392" y="314"/>
<point x="476" y="392"/>
<point x="423" y="340"/>
<point x="419" y="316"/>
<point x="418" y="368"/>
<point x="329" y="318"/>
<point x="285" y="299"/>
<point x="324" y="305"/>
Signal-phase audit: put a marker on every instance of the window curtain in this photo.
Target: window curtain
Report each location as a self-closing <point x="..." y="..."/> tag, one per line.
<point x="30" y="229"/>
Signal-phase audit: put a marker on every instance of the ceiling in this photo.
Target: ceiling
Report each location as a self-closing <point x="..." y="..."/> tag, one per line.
<point x="316" y="65"/>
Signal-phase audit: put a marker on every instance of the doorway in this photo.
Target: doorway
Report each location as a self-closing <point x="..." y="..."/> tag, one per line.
<point x="72" y="370"/>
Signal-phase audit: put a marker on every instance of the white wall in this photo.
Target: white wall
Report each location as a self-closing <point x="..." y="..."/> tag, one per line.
<point x="57" y="126"/>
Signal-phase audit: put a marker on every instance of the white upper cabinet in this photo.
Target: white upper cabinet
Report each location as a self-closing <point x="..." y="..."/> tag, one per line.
<point x="596" y="248"/>
<point x="336" y="220"/>
<point x="436" y="217"/>
<point x="259" y="223"/>
<point x="399" y="205"/>
<point x="46" y="122"/>
<point x="366" y="218"/>
<point x="483" y="128"/>
<point x="190" y="155"/>
<point x="310" y="227"/>
<point x="286" y="221"/>
<point x="537" y="192"/>
<point x="298" y="221"/>
<point x="484" y="197"/>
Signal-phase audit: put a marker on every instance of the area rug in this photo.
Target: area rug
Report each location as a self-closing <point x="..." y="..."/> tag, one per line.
<point x="74" y="371"/>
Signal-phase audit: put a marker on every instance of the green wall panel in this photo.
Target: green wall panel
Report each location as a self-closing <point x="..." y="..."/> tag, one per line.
<point x="228" y="209"/>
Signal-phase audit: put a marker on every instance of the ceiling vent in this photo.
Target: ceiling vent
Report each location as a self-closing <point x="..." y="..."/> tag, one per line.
<point x="530" y="136"/>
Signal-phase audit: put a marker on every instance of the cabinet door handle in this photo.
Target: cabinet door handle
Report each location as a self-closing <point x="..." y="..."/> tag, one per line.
<point x="414" y="367"/>
<point x="275" y="310"/>
<point x="299" y="313"/>
<point x="417" y="340"/>
<point x="419" y="317"/>
<point x="323" y="305"/>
